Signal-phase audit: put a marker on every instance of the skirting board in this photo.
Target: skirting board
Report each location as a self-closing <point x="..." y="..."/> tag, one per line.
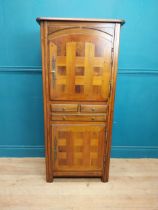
<point x="117" y="151"/>
<point x="38" y="69"/>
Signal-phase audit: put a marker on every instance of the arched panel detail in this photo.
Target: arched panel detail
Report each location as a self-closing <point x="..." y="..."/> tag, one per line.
<point x="53" y="30"/>
<point x="80" y="31"/>
<point x="79" y="64"/>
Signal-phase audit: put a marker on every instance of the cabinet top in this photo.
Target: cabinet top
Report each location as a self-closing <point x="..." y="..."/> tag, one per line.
<point x="39" y="19"/>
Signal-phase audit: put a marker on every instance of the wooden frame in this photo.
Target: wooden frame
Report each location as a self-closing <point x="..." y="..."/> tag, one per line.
<point x="59" y="113"/>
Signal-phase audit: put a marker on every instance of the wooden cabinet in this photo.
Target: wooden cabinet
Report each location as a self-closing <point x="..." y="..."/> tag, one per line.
<point x="79" y="66"/>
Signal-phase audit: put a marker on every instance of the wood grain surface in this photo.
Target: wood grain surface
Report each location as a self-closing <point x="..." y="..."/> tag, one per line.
<point x="79" y="65"/>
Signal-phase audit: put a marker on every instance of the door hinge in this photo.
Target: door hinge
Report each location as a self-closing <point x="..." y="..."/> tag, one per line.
<point x="106" y="140"/>
<point x="112" y="56"/>
<point x="105" y="146"/>
<point x="55" y="148"/>
<point x="110" y="88"/>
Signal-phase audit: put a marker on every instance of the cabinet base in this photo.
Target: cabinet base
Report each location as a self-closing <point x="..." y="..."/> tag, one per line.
<point x="79" y="174"/>
<point x="51" y="180"/>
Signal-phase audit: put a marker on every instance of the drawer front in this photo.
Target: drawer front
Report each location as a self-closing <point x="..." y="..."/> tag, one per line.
<point x="93" y="118"/>
<point x="93" y="108"/>
<point x="64" y="107"/>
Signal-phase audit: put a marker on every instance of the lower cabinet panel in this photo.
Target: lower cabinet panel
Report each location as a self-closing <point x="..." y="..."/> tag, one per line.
<point x="77" y="149"/>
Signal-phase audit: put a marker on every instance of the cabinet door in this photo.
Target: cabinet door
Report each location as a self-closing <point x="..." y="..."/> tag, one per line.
<point x="79" y="64"/>
<point x="77" y="147"/>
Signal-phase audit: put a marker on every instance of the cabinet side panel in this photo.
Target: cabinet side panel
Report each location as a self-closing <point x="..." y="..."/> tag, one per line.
<point x="49" y="175"/>
<point x="111" y="103"/>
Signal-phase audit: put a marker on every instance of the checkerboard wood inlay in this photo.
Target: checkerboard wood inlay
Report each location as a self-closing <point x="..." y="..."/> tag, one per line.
<point x="89" y="73"/>
<point x="78" y="147"/>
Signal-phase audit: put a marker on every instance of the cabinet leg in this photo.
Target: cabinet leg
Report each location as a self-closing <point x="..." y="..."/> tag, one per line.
<point x="104" y="178"/>
<point x="49" y="178"/>
<point x="49" y="173"/>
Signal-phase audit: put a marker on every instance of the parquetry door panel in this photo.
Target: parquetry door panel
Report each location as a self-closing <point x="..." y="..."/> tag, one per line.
<point x="77" y="147"/>
<point x="79" y="64"/>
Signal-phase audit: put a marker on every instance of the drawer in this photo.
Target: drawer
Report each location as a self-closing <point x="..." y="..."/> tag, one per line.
<point x="93" y="108"/>
<point x="75" y="117"/>
<point x="64" y="107"/>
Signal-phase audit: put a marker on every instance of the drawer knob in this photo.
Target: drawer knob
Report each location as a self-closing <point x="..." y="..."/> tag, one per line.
<point x="64" y="118"/>
<point x="93" y="118"/>
<point x="93" y="109"/>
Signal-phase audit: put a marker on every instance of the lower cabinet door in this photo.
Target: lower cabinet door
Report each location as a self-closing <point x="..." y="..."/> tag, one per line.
<point x="77" y="147"/>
